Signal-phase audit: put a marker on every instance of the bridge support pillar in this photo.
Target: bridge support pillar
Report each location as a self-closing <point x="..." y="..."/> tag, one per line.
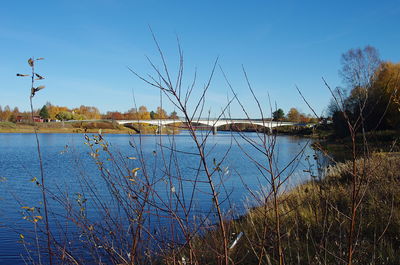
<point x="214" y="128"/>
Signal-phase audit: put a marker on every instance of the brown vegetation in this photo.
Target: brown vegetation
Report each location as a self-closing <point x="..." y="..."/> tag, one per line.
<point x="315" y="218"/>
<point x="334" y="219"/>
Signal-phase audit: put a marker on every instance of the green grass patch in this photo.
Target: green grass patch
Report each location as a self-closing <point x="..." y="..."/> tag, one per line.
<point x="7" y="125"/>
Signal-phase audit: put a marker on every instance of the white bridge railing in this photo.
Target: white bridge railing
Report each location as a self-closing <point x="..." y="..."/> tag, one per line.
<point x="211" y="123"/>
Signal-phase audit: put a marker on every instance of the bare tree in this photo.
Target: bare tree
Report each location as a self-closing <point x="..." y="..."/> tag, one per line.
<point x="359" y="66"/>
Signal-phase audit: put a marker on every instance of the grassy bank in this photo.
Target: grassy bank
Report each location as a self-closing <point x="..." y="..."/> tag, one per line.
<point x="318" y="131"/>
<point x="377" y="141"/>
<point x="60" y="127"/>
<point x="315" y="219"/>
<point x="81" y="127"/>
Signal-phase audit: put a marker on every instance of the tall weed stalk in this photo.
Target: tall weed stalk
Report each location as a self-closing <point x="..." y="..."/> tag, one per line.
<point x="36" y="77"/>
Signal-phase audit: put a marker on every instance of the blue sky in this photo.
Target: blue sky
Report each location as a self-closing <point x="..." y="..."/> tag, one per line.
<point x="88" y="45"/>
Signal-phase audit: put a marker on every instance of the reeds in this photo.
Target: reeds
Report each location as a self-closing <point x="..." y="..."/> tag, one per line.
<point x="329" y="220"/>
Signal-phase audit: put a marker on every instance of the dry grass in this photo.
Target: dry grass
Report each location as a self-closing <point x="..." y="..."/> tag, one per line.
<point x="315" y="218"/>
<point x="76" y="127"/>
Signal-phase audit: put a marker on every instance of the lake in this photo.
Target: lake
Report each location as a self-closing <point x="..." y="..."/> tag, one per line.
<point x="71" y="170"/>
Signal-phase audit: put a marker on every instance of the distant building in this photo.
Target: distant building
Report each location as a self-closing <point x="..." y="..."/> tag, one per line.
<point x="21" y="119"/>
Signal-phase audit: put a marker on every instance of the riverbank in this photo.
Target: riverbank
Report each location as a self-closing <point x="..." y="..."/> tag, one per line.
<point x="115" y="128"/>
<point x="66" y="158"/>
<point x="315" y="131"/>
<point x="377" y="141"/>
<point x="315" y="216"/>
<point x="59" y="129"/>
<point x="80" y="127"/>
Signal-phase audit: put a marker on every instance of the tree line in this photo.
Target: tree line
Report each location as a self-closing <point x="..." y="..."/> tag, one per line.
<point x="53" y="112"/>
<point x="6" y="114"/>
<point x="293" y="115"/>
<point x="370" y="98"/>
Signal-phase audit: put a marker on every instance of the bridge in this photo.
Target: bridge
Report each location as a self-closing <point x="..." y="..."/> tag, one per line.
<point x="212" y="123"/>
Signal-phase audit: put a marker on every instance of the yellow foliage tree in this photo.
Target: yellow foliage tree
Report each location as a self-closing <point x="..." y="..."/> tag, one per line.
<point x="293" y="115"/>
<point x="143" y="113"/>
<point x="385" y="91"/>
<point x="161" y="113"/>
<point x="88" y="112"/>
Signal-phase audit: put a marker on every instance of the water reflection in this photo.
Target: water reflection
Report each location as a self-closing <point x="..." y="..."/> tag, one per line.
<point x="67" y="160"/>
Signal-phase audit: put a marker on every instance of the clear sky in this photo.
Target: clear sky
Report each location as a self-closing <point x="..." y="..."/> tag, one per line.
<point x="89" y="43"/>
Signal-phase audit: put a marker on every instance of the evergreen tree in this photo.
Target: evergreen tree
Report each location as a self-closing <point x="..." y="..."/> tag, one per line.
<point x="152" y="115"/>
<point x="278" y="115"/>
<point x="44" y="113"/>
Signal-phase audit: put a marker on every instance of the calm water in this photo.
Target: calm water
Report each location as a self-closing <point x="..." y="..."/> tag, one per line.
<point x="67" y="160"/>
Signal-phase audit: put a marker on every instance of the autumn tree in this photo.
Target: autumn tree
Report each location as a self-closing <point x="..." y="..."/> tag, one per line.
<point x="173" y="115"/>
<point x="14" y="114"/>
<point x="54" y="110"/>
<point x="143" y="113"/>
<point x="359" y="72"/>
<point x="131" y="114"/>
<point x="64" y="116"/>
<point x="374" y="92"/>
<point x="293" y="115"/>
<point x="51" y="110"/>
<point x="384" y="102"/>
<point x="114" y="115"/>
<point x="87" y="112"/>
<point x="161" y="113"/>
<point x="6" y="114"/>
